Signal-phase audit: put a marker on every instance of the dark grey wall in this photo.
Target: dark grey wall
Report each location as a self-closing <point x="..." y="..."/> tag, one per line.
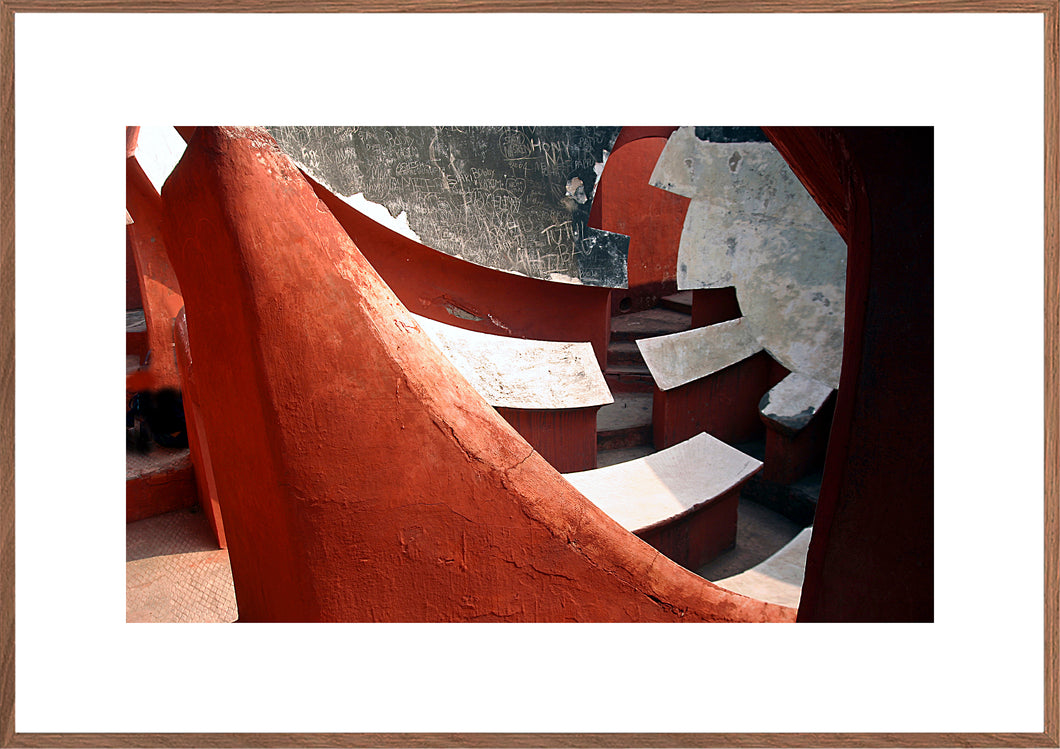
<point x="511" y="198"/>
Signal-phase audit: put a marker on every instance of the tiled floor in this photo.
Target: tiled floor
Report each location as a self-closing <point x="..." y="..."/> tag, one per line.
<point x="175" y="572"/>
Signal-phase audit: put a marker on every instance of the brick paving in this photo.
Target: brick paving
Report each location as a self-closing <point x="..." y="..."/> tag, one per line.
<point x="175" y="572"/>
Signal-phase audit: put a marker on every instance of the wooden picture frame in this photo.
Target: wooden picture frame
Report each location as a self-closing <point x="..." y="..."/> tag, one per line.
<point x="1049" y="9"/>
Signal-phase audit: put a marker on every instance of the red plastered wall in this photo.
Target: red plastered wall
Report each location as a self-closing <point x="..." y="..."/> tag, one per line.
<point x="360" y="477"/>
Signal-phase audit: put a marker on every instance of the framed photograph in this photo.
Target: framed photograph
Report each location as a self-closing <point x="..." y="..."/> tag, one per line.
<point x="972" y="88"/>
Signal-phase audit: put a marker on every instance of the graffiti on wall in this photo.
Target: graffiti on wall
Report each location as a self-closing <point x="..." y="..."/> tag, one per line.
<point x="512" y="198"/>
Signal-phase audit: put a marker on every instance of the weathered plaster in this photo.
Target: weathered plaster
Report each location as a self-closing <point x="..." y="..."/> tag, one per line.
<point x="751" y="224"/>
<point x="792" y="402"/>
<point x="778" y="579"/>
<point x="515" y="199"/>
<point x="680" y="358"/>
<point x="518" y="373"/>
<point x="361" y="477"/>
<point x="380" y="214"/>
<point x="650" y="491"/>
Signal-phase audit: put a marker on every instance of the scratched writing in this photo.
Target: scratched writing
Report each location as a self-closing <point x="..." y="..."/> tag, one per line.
<point x="493" y="195"/>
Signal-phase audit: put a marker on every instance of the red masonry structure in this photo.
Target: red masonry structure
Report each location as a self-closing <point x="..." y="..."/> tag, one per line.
<point x="360" y="476"/>
<point x="626" y="203"/>
<point x="457" y="292"/>
<point x="157" y="281"/>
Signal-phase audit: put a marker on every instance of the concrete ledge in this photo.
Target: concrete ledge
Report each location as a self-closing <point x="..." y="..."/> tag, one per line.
<point x="680" y="358"/>
<point x="790" y="405"/>
<point x="519" y="373"/>
<point x="681" y="500"/>
<point x="778" y="579"/>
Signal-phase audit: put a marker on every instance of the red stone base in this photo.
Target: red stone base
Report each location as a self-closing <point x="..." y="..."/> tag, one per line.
<point x="164" y="491"/>
<point x="700" y="536"/>
<point x="565" y="438"/>
<point x="641" y="297"/>
<point x="790" y="457"/>
<point x="724" y="405"/>
<point x="710" y="306"/>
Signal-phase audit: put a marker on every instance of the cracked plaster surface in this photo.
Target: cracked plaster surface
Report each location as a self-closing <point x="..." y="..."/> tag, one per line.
<point x="751" y="224"/>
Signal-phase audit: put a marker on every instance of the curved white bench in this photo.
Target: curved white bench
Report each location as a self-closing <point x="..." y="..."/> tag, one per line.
<point x="712" y="379"/>
<point x="521" y="373"/>
<point x="548" y="391"/>
<point x="778" y="579"/>
<point x="708" y="379"/>
<point x="681" y="500"/>
<point x="681" y="358"/>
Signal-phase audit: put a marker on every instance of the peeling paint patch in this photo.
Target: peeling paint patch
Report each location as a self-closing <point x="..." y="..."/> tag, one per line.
<point x="381" y="215"/>
<point x="598" y="167"/>
<point x="576" y="190"/>
<point x="463" y="314"/>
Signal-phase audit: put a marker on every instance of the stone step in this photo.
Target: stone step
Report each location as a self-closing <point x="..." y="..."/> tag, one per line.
<point x="624" y="423"/>
<point x="679" y="302"/>
<point x="629" y="378"/>
<point x="135" y="321"/>
<point x="623" y="353"/>
<point x="157" y="482"/>
<point x="614" y="456"/>
<point x="649" y="323"/>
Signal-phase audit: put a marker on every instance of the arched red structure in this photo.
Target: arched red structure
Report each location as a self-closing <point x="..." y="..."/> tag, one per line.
<point x="461" y="293"/>
<point x="159" y="289"/>
<point x="625" y="202"/>
<point x="198" y="441"/>
<point x="361" y="478"/>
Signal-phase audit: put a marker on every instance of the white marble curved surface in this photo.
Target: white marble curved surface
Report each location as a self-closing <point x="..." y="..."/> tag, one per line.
<point x="679" y="358"/>
<point x="792" y="403"/>
<point x="650" y="491"/>
<point x="777" y="579"/>
<point x="521" y="373"/>
<point x="751" y="224"/>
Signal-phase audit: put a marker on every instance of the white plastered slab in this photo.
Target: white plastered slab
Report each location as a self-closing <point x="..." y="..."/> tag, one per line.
<point x="751" y="224"/>
<point x="793" y="401"/>
<point x="779" y="578"/>
<point x="649" y="491"/>
<point x="522" y="373"/>
<point x="680" y="358"/>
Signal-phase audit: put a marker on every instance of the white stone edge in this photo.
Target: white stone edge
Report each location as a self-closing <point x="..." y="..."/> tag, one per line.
<point x="660" y="352"/>
<point x="749" y="468"/>
<point x="440" y="333"/>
